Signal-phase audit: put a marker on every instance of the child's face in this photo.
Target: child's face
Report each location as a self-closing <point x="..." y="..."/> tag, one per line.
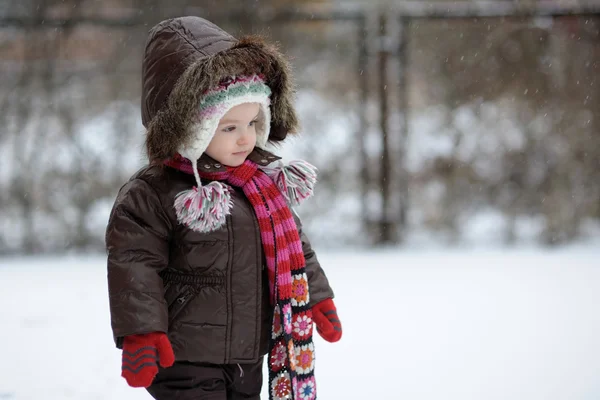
<point x="235" y="136"/>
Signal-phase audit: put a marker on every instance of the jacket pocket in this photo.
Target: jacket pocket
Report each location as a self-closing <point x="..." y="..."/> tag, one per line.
<point x="180" y="302"/>
<point x="199" y="342"/>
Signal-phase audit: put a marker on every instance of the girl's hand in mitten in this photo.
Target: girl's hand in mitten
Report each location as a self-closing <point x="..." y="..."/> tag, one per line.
<point x="326" y="318"/>
<point x="141" y="356"/>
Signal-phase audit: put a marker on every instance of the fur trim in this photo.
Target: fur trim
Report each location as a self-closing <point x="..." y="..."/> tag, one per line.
<point x="170" y="127"/>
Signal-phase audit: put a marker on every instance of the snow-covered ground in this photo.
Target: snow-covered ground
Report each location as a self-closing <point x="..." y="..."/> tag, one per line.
<point x="418" y="325"/>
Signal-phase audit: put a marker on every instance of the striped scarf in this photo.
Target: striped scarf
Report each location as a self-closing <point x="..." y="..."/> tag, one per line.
<point x="291" y="356"/>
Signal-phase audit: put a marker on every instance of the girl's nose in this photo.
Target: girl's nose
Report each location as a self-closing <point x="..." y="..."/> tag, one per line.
<point x="243" y="139"/>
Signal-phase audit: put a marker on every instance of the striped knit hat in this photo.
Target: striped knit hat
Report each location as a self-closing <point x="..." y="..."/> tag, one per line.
<point x="203" y="208"/>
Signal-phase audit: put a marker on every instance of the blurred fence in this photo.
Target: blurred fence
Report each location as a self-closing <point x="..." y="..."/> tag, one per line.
<point x="428" y="119"/>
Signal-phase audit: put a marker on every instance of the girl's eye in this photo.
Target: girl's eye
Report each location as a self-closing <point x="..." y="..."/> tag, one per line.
<point x="252" y="123"/>
<point x="229" y="129"/>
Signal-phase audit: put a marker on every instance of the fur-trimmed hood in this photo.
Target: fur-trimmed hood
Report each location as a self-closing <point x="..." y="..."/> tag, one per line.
<point x="186" y="56"/>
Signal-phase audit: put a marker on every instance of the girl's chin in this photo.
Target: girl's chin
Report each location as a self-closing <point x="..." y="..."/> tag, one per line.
<point x="236" y="162"/>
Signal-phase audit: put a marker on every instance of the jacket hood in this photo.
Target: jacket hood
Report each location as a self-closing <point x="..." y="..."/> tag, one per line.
<point x="186" y="56"/>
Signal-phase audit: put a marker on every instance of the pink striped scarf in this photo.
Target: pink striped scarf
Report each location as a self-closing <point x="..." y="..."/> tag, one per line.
<point x="291" y="350"/>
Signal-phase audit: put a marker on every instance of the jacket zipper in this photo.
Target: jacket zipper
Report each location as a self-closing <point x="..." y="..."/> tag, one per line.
<point x="228" y="291"/>
<point x="259" y="306"/>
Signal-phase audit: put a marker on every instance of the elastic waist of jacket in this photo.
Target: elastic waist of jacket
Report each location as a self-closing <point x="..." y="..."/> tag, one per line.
<point x="203" y="280"/>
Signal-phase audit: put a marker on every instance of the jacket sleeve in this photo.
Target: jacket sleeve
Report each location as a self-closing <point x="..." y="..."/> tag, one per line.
<point x="318" y="284"/>
<point x="137" y="244"/>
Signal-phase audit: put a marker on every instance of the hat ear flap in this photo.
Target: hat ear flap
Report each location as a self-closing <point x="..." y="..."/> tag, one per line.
<point x="263" y="125"/>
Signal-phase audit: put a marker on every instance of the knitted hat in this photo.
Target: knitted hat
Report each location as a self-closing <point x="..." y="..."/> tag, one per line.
<point x="216" y="102"/>
<point x="204" y="208"/>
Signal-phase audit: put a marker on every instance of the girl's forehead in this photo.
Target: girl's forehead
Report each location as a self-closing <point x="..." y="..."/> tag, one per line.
<point x="245" y="110"/>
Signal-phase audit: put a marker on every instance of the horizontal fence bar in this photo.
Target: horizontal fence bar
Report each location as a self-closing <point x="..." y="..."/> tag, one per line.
<point x="278" y="16"/>
<point x="498" y="8"/>
<point x="351" y="12"/>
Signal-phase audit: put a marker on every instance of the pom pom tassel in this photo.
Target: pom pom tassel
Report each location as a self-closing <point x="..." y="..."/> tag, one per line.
<point x="204" y="209"/>
<point x="296" y="181"/>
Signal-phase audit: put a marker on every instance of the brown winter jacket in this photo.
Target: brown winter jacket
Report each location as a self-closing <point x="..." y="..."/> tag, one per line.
<point x="207" y="291"/>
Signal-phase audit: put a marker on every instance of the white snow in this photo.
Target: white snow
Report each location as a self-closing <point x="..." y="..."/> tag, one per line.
<point x="418" y="325"/>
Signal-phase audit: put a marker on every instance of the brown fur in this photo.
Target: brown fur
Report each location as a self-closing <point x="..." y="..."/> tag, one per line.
<point x="170" y="126"/>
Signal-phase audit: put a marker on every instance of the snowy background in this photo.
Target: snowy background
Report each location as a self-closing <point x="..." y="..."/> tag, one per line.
<point x="418" y="325"/>
<point x="491" y="122"/>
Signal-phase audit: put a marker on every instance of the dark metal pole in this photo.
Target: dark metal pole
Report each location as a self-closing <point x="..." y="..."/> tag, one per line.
<point x="385" y="222"/>
<point x="403" y="106"/>
<point x="362" y="113"/>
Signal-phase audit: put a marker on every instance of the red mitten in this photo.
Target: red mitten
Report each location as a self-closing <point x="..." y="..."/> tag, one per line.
<point x="326" y="318"/>
<point x="141" y="356"/>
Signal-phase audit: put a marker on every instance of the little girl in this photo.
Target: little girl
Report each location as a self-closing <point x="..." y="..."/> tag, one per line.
<point x="208" y="267"/>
